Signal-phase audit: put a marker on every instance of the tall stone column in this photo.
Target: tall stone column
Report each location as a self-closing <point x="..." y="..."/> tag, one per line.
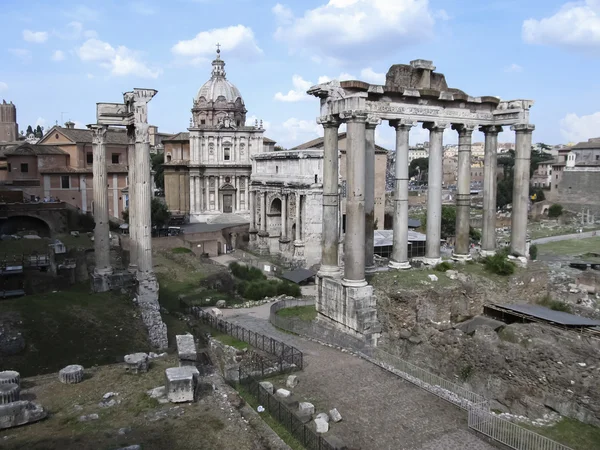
<point x="330" y="236"/>
<point x="434" y="192"/>
<point x="217" y="184"/>
<point x="131" y="181"/>
<point x="284" y="218"/>
<point x="298" y="236"/>
<point x="101" y="230"/>
<point x="247" y="193"/>
<point x="192" y="194"/>
<point x="207" y="193"/>
<point x="263" y="234"/>
<point x="252" y="212"/>
<point x="520" y="202"/>
<point x="490" y="188"/>
<point x="371" y="124"/>
<point x="399" y="258"/>
<point x="463" y="196"/>
<point x="354" y="242"/>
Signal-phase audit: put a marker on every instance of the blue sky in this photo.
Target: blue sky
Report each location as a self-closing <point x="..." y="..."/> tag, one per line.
<point x="59" y="58"/>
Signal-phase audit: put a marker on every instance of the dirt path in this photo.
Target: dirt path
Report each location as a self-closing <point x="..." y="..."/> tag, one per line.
<point x="380" y="411"/>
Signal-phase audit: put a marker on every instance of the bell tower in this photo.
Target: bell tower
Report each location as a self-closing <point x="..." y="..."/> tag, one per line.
<point x="9" y="129"/>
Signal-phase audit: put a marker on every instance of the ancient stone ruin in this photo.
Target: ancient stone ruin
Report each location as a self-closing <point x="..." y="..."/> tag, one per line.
<point x="412" y="93"/>
<point x="13" y="410"/>
<point x="133" y="114"/>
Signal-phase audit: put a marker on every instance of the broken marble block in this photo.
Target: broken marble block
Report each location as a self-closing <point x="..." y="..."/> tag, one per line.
<point x="186" y="348"/>
<point x="181" y="383"/>
<point x="292" y="382"/>
<point x="137" y="362"/>
<point x="322" y="425"/>
<point x="9" y="392"/>
<point x="323" y="416"/>
<point x="71" y="374"/>
<point x="335" y="415"/>
<point x="283" y="393"/>
<point x="20" y="413"/>
<point x="306" y="408"/>
<point x="10" y="376"/>
<point x="267" y="386"/>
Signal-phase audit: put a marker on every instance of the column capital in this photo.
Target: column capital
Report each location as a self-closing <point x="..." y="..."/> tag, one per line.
<point x="98" y="133"/>
<point x="373" y="121"/>
<point x="437" y="125"/>
<point x="491" y="129"/>
<point x="329" y="121"/>
<point x="464" y="129"/>
<point x="523" y="128"/>
<point x="357" y="116"/>
<point x="402" y="124"/>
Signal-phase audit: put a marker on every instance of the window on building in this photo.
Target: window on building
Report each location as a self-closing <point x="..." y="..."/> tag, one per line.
<point x="9" y="167"/>
<point x="316" y="178"/>
<point x="24" y="167"/>
<point x="168" y="158"/>
<point x="203" y="122"/>
<point x="597" y="157"/>
<point x="65" y="182"/>
<point x="90" y="158"/>
<point x="226" y="154"/>
<point x="557" y="176"/>
<point x="276" y="169"/>
<point x="56" y="136"/>
<point x="115" y="158"/>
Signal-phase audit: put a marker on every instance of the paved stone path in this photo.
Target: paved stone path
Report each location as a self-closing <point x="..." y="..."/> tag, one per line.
<point x="566" y="237"/>
<point x="380" y="410"/>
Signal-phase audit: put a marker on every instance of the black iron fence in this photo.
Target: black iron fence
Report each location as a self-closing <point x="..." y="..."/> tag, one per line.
<point x="303" y="432"/>
<point x="267" y="344"/>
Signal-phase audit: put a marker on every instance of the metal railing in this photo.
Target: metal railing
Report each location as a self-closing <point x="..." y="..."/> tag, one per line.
<point x="508" y="433"/>
<point x="267" y="344"/>
<point x="307" y="436"/>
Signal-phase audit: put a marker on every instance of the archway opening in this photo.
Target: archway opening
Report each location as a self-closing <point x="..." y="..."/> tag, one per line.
<point x="23" y="224"/>
<point x="276" y="206"/>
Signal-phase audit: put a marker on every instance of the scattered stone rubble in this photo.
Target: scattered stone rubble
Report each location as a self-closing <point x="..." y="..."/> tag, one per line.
<point x="13" y="411"/>
<point x="137" y="362"/>
<point x="72" y="374"/>
<point x="186" y="349"/>
<point x="181" y="383"/>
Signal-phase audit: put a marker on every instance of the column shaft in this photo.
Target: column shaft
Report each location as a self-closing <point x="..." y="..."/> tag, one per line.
<point x="132" y="186"/>
<point x="354" y="243"/>
<point x="246" y="193"/>
<point x="207" y="193"/>
<point x="463" y="195"/>
<point x="521" y="189"/>
<point x="217" y="184"/>
<point x="330" y="234"/>
<point x="252" y="212"/>
<point x="101" y="230"/>
<point x="434" y="192"/>
<point x="370" y="191"/>
<point x="143" y="202"/>
<point x="490" y="188"/>
<point x="192" y="194"/>
<point x="298" y="236"/>
<point x="399" y="258"/>
<point x="284" y="217"/>
<point x="263" y="213"/>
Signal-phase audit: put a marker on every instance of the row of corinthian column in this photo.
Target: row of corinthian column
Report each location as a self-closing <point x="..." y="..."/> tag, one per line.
<point x="360" y="157"/>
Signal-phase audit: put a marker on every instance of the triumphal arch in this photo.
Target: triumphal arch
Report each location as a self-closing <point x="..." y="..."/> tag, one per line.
<point x="412" y="94"/>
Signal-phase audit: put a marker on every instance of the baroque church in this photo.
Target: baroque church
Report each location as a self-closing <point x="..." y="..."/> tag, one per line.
<point x="207" y="169"/>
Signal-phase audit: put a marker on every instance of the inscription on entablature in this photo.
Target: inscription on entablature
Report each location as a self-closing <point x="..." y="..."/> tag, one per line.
<point x="432" y="111"/>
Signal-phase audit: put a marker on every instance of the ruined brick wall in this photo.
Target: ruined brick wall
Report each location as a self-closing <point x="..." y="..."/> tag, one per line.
<point x="579" y="190"/>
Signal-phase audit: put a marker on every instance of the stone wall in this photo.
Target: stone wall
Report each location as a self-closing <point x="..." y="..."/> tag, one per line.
<point x="528" y="369"/>
<point x="579" y="189"/>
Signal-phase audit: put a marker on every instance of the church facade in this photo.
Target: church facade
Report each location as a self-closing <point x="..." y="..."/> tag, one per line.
<point x="207" y="169"/>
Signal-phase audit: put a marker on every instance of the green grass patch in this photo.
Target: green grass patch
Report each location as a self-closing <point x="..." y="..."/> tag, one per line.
<point x="180" y="250"/>
<point x="20" y="247"/>
<point x="307" y="313"/>
<point x="555" y="305"/>
<point x="571" y="247"/>
<point x="499" y="264"/>
<point x="570" y="432"/>
<point x="229" y="340"/>
<point x="74" y="326"/>
<point x="273" y="423"/>
<point x="443" y="266"/>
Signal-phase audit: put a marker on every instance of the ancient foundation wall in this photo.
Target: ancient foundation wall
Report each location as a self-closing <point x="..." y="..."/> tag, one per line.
<point x="579" y="190"/>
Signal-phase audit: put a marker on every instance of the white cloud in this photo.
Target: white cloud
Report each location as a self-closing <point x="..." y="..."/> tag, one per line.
<point x="21" y="53"/>
<point x="58" y="55"/>
<point x="294" y="131"/>
<point x="38" y="37"/>
<point x="368" y="74"/>
<point x="140" y="7"/>
<point x="75" y="30"/>
<point x="576" y="129"/>
<point x="120" y="61"/>
<point x="252" y="119"/>
<point x="442" y="15"/>
<point x="236" y="41"/>
<point x="342" y="77"/>
<point x="41" y="122"/>
<point x="355" y="29"/>
<point x="513" y="68"/>
<point x="298" y="93"/>
<point x="576" y="24"/>
<point x="3" y="86"/>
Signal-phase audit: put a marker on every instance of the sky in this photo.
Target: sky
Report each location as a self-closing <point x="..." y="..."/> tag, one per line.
<point x="59" y="58"/>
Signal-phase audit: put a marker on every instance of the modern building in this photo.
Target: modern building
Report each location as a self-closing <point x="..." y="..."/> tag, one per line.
<point x="207" y="169"/>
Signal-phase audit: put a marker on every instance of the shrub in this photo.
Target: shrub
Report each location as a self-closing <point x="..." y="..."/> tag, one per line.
<point x="555" y="305"/>
<point x="555" y="210"/>
<point x="247" y="273"/>
<point x="286" y="288"/>
<point x="181" y="250"/>
<point x="257" y="290"/>
<point x="443" y="266"/>
<point x="499" y="265"/>
<point x="533" y="250"/>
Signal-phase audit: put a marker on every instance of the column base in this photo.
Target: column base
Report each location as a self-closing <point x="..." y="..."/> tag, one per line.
<point x="461" y="258"/>
<point x="485" y="253"/>
<point x="354" y="283"/>
<point x="329" y="271"/>
<point x="432" y="261"/>
<point x="399" y="265"/>
<point x="371" y="269"/>
<point x="103" y="272"/>
<point x="133" y="268"/>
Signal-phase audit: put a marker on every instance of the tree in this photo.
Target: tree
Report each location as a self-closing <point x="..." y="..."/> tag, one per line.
<point x="555" y="211"/>
<point x="159" y="171"/>
<point x="39" y="132"/>
<point x="29" y="130"/>
<point x="449" y="224"/>
<point x="279" y="148"/>
<point x="504" y="192"/>
<point x="159" y="213"/>
<point x="418" y="166"/>
<point x="536" y="194"/>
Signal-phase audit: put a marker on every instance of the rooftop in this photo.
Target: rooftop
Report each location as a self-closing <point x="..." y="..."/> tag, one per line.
<point x="593" y="143"/>
<point x="115" y="136"/>
<point x="27" y="149"/>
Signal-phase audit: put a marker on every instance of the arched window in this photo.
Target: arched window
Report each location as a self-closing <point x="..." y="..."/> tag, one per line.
<point x="168" y="157"/>
<point x="276" y="206"/>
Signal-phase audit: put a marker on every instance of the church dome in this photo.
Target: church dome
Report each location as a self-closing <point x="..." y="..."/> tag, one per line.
<point x="218" y="100"/>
